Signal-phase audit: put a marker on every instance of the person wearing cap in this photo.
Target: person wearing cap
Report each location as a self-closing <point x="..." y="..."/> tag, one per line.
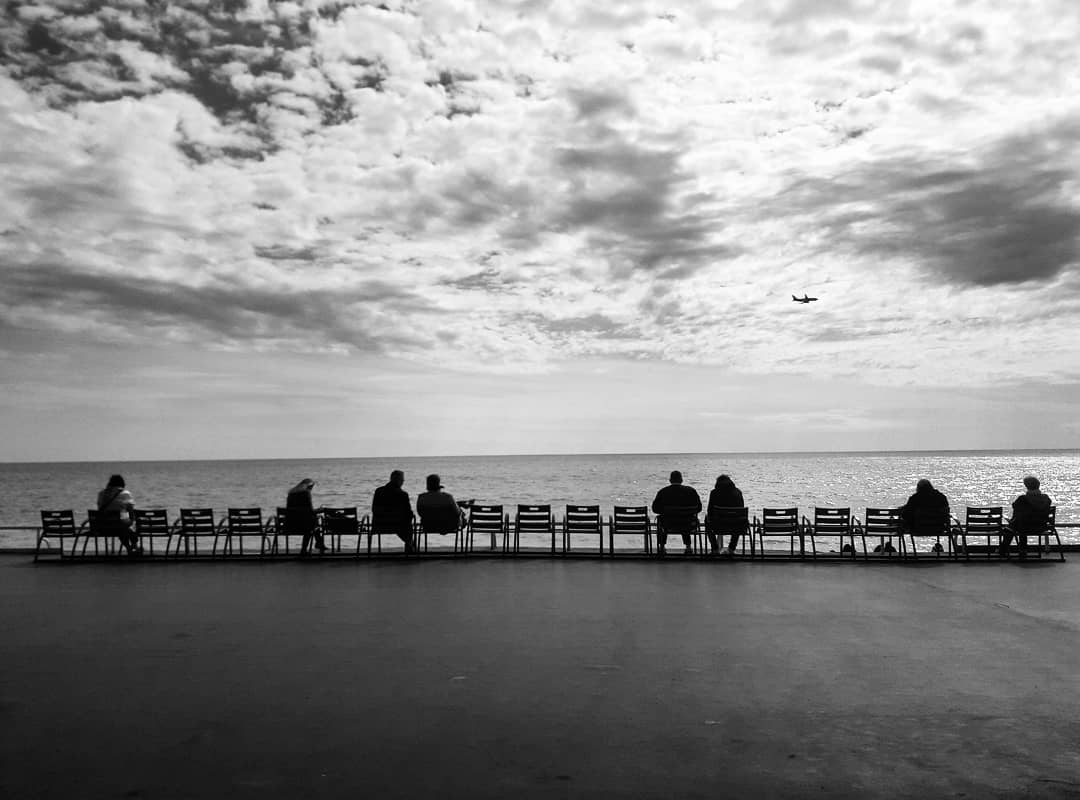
<point x="439" y="512"/>
<point x="300" y="516"/>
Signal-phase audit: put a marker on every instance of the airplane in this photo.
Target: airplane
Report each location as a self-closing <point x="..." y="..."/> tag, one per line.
<point x="804" y="299"/>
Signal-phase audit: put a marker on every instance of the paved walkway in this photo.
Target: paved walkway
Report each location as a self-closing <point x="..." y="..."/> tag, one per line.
<point x="540" y="678"/>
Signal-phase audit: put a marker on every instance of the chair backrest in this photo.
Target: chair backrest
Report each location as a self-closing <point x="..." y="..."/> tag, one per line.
<point x="983" y="519"/>
<point x="58" y="523"/>
<point x="534" y="519"/>
<point x="882" y="521"/>
<point x="781" y="521"/>
<point x="630" y="520"/>
<point x="245" y="520"/>
<point x="393" y="521"/>
<point x="1035" y="524"/>
<point x="727" y="519"/>
<point x="197" y="521"/>
<point x="679" y="519"/>
<point x="98" y="522"/>
<point x="832" y="521"/>
<point x="340" y="521"/>
<point x="293" y="520"/>
<point x="582" y="519"/>
<point x="486" y="519"/>
<point x="151" y="521"/>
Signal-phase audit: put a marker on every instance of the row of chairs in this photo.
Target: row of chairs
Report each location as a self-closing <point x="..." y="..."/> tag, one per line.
<point x="495" y="527"/>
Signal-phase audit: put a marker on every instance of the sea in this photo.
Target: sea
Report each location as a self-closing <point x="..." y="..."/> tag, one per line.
<point x="806" y="480"/>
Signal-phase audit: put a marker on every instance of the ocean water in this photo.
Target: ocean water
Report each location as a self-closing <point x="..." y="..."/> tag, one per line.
<point x="766" y="479"/>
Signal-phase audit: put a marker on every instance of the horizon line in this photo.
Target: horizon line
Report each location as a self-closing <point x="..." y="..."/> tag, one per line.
<point x="938" y="451"/>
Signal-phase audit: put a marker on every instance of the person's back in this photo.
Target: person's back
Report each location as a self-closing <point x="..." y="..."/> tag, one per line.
<point x="116" y="508"/>
<point x="927" y="510"/>
<point x="391" y="510"/>
<point x="725" y="495"/>
<point x="437" y="509"/>
<point x="677" y="506"/>
<point x="1031" y="511"/>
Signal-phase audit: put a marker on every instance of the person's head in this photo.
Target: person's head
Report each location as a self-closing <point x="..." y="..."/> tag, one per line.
<point x="434" y="483"/>
<point x="397" y="477"/>
<point x="923" y="485"/>
<point x="305" y="485"/>
<point x="116" y="480"/>
<point x="1032" y="483"/>
<point x="724" y="481"/>
<point x="676" y="476"/>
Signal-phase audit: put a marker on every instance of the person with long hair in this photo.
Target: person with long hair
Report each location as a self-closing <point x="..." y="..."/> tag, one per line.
<point x="300" y="517"/>
<point x="116" y="508"/>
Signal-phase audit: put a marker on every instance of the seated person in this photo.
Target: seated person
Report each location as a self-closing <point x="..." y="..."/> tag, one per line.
<point x="300" y="517"/>
<point x="117" y="508"/>
<point x="725" y="495"/>
<point x="926" y="511"/>
<point x="1031" y="513"/>
<point x="392" y="511"/>
<point x="438" y="511"/>
<point x="688" y="503"/>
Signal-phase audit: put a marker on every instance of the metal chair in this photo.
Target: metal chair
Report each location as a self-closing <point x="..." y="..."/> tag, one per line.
<point x="630" y="521"/>
<point x="783" y="522"/>
<point x="934" y="524"/>
<point x="241" y="523"/>
<point x="487" y="520"/>
<point x="105" y="527"/>
<point x="58" y="525"/>
<point x="883" y="524"/>
<point x="151" y="524"/>
<point x="531" y="519"/>
<point x="392" y="523"/>
<point x="338" y="522"/>
<point x="1041" y="533"/>
<point x="832" y="522"/>
<point x="443" y="522"/>
<point x="582" y="521"/>
<point x="196" y="522"/>
<point x="982" y="521"/>
<point x="729" y="521"/>
<point x="679" y="521"/>
<point x="290" y="522"/>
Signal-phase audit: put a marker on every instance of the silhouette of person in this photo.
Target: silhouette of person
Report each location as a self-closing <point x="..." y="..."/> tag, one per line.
<point x="438" y="511"/>
<point x="726" y="495"/>
<point x="926" y="512"/>
<point x="391" y="510"/>
<point x="300" y="516"/>
<point x="117" y="508"/>
<point x="1031" y="513"/>
<point x="678" y="507"/>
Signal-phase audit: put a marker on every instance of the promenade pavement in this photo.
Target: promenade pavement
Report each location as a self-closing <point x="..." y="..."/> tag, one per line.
<point x="538" y="679"/>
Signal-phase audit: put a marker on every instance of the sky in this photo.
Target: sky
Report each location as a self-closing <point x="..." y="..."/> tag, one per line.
<point x="245" y="229"/>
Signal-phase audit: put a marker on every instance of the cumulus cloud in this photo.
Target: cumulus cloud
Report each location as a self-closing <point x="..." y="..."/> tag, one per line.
<point x="501" y="184"/>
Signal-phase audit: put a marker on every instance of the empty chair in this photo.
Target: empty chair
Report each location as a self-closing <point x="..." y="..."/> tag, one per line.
<point x="882" y="524"/>
<point x="486" y="520"/>
<point x="240" y="524"/>
<point x="339" y="522"/>
<point x="782" y="523"/>
<point x="583" y="521"/>
<point x="195" y="522"/>
<point x="533" y="520"/>
<point x="833" y="522"/>
<point x="731" y="522"/>
<point x="56" y="526"/>
<point x="630" y="521"/>
<point x="985" y="521"/>
<point x="152" y="524"/>
<point x="679" y="521"/>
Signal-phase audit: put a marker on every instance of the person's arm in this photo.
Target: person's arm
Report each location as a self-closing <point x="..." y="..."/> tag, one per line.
<point x="656" y="502"/>
<point x="697" y="500"/>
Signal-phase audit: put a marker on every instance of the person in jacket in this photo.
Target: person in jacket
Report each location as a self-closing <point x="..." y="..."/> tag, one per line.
<point x="438" y="511"/>
<point x="927" y="510"/>
<point x="725" y="495"/>
<point x="117" y="509"/>
<point x="677" y="506"/>
<point x="300" y="518"/>
<point x="391" y="510"/>
<point x="1031" y="513"/>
